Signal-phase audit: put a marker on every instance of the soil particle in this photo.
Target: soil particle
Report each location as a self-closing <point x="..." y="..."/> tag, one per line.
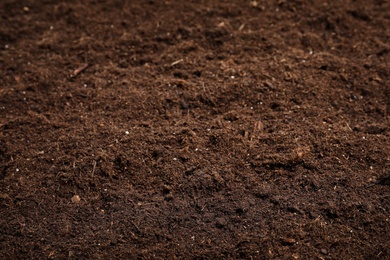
<point x="220" y="222"/>
<point x="324" y="251"/>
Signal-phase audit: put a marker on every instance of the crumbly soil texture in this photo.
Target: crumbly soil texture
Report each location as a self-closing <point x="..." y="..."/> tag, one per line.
<point x="145" y="129"/>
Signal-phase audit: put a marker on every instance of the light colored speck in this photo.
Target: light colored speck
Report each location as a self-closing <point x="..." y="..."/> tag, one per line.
<point x="85" y="85"/>
<point x="252" y="108"/>
<point x="17" y="169"/>
<point x="6" y="46"/>
<point x="51" y="27"/>
<point x="232" y="77"/>
<point x="127" y="132"/>
<point x="196" y="149"/>
<point x="175" y="159"/>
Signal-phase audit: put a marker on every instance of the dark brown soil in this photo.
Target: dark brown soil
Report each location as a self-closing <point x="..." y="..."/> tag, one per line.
<point x="195" y="129"/>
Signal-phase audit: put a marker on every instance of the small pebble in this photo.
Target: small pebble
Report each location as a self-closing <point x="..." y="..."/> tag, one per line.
<point x="76" y="199"/>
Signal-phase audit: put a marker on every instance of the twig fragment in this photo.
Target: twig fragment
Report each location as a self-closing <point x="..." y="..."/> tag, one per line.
<point x="80" y="69"/>
<point x="94" y="167"/>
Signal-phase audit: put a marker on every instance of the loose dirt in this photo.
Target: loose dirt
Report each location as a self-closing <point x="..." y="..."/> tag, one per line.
<point x="194" y="129"/>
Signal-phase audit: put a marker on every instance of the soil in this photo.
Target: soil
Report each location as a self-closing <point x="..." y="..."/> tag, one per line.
<point x="194" y="129"/>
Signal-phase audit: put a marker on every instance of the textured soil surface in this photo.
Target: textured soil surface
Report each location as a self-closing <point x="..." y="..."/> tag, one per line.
<point x="195" y="129"/>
